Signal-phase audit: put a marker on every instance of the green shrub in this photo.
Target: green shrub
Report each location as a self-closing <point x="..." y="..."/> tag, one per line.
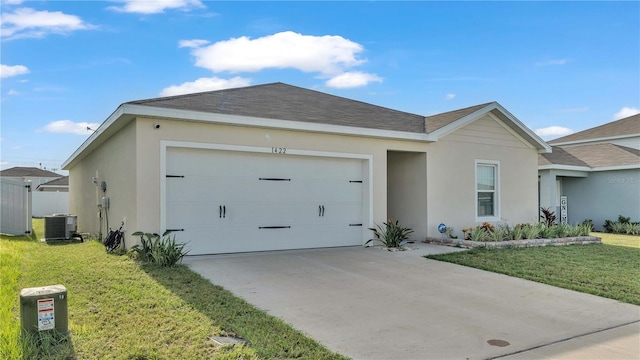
<point x="618" y="228"/>
<point x="589" y="223"/>
<point x="545" y="232"/>
<point x="480" y="234"/>
<point x="161" y="250"/>
<point x="499" y="233"/>
<point x="560" y="230"/>
<point x="531" y="231"/>
<point x="577" y="230"/>
<point x="632" y="229"/>
<point x="390" y="234"/>
<point x="516" y="233"/>
<point x="622" y="226"/>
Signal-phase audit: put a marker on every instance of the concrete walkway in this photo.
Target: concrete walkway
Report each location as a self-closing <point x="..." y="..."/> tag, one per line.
<point x="367" y="303"/>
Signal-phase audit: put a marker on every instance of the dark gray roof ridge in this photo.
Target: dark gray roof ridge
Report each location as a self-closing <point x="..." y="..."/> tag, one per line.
<point x="28" y="171"/>
<point x="626" y="126"/>
<point x="300" y="104"/>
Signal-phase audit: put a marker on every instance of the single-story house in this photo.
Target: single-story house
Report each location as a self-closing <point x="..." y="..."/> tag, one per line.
<point x="276" y="166"/>
<point x="36" y="175"/>
<point x="594" y="174"/>
<point x="57" y="185"/>
<point x="49" y="190"/>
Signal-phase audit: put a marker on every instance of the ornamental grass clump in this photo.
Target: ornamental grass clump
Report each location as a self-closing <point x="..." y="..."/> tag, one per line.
<point x="160" y="250"/>
<point x="390" y="234"/>
<point x="488" y="232"/>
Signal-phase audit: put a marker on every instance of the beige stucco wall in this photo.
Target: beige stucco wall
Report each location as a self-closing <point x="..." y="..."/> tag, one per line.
<point x="440" y="175"/>
<point x="407" y="191"/>
<point x="451" y="175"/>
<point x="148" y="148"/>
<point x="115" y="163"/>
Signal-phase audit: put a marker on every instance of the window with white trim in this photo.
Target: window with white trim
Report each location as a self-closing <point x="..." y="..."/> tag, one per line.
<point x="487" y="190"/>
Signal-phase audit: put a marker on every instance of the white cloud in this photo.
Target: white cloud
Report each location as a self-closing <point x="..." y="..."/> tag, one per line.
<point x="195" y="43"/>
<point x="30" y="23"/>
<point x="552" y="62"/>
<point x="68" y="126"/>
<point x="13" y="2"/>
<point x="352" y="79"/>
<point x="553" y="131"/>
<point x="205" y="84"/>
<point x="450" y="96"/>
<point x="15" y="70"/>
<point x="156" y="6"/>
<point x="625" y="112"/>
<point x="328" y="55"/>
<point x="12" y="92"/>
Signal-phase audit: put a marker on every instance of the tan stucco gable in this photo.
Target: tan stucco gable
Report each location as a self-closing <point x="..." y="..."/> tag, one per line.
<point x="498" y="113"/>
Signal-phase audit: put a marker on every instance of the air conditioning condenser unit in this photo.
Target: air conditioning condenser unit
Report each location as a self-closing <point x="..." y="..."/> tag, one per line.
<point x="61" y="227"/>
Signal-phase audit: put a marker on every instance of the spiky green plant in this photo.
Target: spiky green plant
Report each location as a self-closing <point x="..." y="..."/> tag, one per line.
<point x="390" y="234"/>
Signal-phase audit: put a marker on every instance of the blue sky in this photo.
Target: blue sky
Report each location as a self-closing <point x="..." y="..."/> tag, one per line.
<point x="559" y="67"/>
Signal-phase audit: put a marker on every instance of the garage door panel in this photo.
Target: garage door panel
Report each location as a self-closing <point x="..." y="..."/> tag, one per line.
<point x="239" y="201"/>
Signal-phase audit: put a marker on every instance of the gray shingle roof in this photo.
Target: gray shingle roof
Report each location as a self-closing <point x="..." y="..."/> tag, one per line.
<point x="591" y="155"/>
<point x="626" y="126"/>
<point x="559" y="156"/>
<point x="438" y="121"/>
<point x="28" y="171"/>
<point x="63" y="181"/>
<point x="287" y="102"/>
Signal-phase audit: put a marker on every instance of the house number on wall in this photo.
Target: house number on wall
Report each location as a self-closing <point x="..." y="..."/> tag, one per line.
<point x="278" y="150"/>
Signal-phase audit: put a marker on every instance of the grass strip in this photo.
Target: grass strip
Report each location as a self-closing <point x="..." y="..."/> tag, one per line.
<point x="598" y="269"/>
<point x="618" y="239"/>
<point x="119" y="309"/>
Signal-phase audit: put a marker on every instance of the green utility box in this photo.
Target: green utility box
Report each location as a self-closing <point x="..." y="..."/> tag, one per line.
<point x="44" y="309"/>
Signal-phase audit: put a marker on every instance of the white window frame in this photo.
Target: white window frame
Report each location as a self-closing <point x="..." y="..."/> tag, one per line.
<point x="497" y="195"/>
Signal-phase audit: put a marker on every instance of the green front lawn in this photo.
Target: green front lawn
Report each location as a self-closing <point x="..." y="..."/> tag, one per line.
<point x="599" y="269"/>
<point x="119" y="309"/>
<point x="618" y="239"/>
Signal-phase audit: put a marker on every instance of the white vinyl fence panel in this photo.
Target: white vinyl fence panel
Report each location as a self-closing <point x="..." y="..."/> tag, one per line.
<point x="15" y="211"/>
<point x="49" y="203"/>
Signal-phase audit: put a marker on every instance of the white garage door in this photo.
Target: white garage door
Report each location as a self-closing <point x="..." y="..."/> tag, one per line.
<point x="229" y="201"/>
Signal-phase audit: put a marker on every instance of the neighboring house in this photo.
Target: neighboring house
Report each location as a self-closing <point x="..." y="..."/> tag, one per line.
<point x="597" y="170"/>
<point x="50" y="191"/>
<point x="35" y="175"/>
<point x="276" y="166"/>
<point x="57" y="185"/>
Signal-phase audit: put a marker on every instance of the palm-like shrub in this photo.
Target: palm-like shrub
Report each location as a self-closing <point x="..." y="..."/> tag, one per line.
<point x="390" y="234"/>
<point x="161" y="250"/>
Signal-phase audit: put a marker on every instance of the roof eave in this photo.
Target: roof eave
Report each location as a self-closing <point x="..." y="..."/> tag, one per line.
<point x="564" y="167"/>
<point x="98" y="136"/>
<point x="594" y="140"/>
<point x="127" y="112"/>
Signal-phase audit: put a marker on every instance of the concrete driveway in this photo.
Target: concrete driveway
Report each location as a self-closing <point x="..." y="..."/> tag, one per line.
<point x="368" y="303"/>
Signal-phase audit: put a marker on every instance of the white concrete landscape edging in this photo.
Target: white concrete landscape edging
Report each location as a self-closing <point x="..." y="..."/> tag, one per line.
<point x="577" y="240"/>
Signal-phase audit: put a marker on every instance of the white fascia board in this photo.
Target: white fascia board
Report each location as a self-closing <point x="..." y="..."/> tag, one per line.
<point x="543" y="146"/>
<point x="618" y="167"/>
<point x="596" y="140"/>
<point x="564" y="167"/>
<point x="141" y="110"/>
<point x="536" y="141"/>
<point x="588" y="169"/>
<point x="130" y="111"/>
<point x="105" y="125"/>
